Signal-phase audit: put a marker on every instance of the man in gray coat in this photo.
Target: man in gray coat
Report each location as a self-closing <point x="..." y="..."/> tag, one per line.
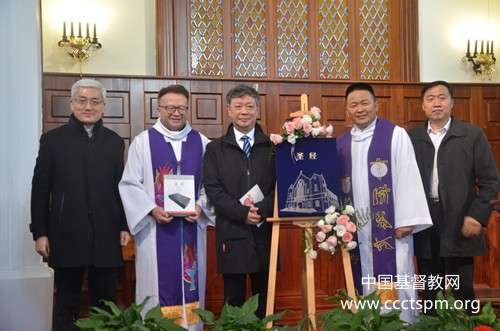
<point x="77" y="216"/>
<point x="460" y="178"/>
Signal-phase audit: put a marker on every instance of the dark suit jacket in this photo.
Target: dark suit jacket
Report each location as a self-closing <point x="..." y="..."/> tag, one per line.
<point x="74" y="197"/>
<point x="464" y="156"/>
<point x="227" y="175"/>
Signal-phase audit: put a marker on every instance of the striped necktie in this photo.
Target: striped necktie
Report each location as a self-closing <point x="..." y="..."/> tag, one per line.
<point x="246" y="145"/>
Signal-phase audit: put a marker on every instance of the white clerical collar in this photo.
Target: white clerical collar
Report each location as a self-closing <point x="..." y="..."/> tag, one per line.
<point x="358" y="135"/>
<point x="172" y="135"/>
<point x="238" y="134"/>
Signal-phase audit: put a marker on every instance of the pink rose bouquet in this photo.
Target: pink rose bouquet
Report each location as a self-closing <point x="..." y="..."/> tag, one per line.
<point x="334" y="231"/>
<point x="306" y="126"/>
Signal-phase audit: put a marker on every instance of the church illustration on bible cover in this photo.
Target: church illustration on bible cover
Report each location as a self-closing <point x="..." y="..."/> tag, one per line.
<point x="309" y="195"/>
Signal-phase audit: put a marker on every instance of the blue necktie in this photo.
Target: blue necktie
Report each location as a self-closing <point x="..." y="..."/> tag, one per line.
<point x="246" y="145"/>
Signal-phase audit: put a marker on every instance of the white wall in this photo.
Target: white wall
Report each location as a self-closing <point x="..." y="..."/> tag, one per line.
<point x="125" y="28"/>
<point x="26" y="284"/>
<point x="445" y="26"/>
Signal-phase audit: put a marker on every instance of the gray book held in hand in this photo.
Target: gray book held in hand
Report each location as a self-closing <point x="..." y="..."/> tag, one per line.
<point x="180" y="199"/>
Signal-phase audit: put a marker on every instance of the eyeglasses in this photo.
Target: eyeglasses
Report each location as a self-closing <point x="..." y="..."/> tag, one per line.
<point x="171" y="109"/>
<point x="93" y="102"/>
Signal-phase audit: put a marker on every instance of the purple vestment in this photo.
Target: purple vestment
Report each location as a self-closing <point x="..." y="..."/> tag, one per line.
<point x="176" y="241"/>
<point x="381" y="199"/>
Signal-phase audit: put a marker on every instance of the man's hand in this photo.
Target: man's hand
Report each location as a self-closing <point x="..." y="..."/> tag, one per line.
<point x="161" y="216"/>
<point x="193" y="218"/>
<point x="471" y="227"/>
<point x="253" y="217"/>
<point x="124" y="238"/>
<point x="42" y="246"/>
<point x="403" y="231"/>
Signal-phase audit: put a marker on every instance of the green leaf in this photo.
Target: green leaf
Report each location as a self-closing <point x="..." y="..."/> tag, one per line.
<point x="114" y="308"/>
<point x="85" y="324"/>
<point x="131" y="315"/>
<point x="96" y="312"/>
<point x="154" y="313"/>
<point x="206" y="316"/>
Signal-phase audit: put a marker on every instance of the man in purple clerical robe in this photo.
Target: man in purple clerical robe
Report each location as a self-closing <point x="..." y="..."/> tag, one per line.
<point x="170" y="251"/>
<point x="380" y="178"/>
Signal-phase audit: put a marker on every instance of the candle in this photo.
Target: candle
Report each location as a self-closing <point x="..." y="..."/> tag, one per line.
<point x="475" y="47"/>
<point x="79" y="29"/>
<point x="72" y="34"/>
<point x="487" y="46"/>
<point x="492" y="48"/>
<point x="95" y="34"/>
<point x="482" y="42"/>
<point x="64" y="29"/>
<point x="88" y="33"/>
<point x="468" y="46"/>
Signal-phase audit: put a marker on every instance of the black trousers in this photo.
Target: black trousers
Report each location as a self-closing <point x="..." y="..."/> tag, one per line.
<point x="235" y="289"/>
<point x="463" y="267"/>
<point x="68" y="283"/>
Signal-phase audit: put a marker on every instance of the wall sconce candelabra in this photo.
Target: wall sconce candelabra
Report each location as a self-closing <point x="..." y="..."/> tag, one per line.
<point x="482" y="62"/>
<point x="79" y="47"/>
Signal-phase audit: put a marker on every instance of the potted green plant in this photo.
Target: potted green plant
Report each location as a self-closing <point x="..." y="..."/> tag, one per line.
<point x="240" y="318"/>
<point x="450" y="318"/>
<point x="128" y="320"/>
<point x="369" y="318"/>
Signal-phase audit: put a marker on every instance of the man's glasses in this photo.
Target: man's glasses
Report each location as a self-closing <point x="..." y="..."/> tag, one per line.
<point x="83" y="101"/>
<point x="171" y="109"/>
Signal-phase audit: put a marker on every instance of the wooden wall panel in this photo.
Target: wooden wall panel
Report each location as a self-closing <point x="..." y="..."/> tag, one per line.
<point x="206" y="112"/>
<point x="491" y="109"/>
<point x="333" y="112"/>
<point x="414" y="114"/>
<point x="131" y="108"/>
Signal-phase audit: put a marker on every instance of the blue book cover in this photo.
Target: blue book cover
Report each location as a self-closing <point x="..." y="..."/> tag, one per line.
<point x="307" y="177"/>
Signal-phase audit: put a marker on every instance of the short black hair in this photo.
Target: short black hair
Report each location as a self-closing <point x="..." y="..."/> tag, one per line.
<point x="434" y="84"/>
<point x="240" y="91"/>
<point x="177" y="89"/>
<point x="359" y="87"/>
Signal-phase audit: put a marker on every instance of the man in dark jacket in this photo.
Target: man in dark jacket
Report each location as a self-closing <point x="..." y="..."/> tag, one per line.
<point x="77" y="215"/>
<point x="243" y="237"/>
<point x="454" y="159"/>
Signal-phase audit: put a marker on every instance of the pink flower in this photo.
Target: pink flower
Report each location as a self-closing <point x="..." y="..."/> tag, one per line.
<point x="289" y="127"/>
<point x="297" y="123"/>
<point x="332" y="241"/>
<point x="308" y="128"/>
<point x="315" y="110"/>
<point x="320" y="236"/>
<point x="342" y="219"/>
<point x="347" y="237"/>
<point x="276" y="138"/>
<point x="351" y="227"/>
<point x="326" y="228"/>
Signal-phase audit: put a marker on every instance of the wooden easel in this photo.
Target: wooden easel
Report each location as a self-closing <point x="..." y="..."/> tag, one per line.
<point x="308" y="295"/>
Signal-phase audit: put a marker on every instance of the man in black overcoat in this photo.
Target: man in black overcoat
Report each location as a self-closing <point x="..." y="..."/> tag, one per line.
<point x="77" y="217"/>
<point x="232" y="167"/>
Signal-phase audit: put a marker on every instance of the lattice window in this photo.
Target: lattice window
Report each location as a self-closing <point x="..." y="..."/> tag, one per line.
<point x="333" y="40"/>
<point x="250" y="38"/>
<point x="207" y="45"/>
<point x="374" y="40"/>
<point x="292" y="36"/>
